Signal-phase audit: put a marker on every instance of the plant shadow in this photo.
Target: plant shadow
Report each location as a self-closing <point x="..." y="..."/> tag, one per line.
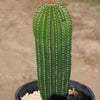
<point x="57" y="97"/>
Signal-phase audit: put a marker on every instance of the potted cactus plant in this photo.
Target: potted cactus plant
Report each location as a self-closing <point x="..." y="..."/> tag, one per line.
<point x="52" y="27"/>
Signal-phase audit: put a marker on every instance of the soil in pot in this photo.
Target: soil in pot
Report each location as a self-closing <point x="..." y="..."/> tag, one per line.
<point x="72" y="95"/>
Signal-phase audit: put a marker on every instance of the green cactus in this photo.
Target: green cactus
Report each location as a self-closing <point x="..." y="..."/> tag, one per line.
<point x="53" y="33"/>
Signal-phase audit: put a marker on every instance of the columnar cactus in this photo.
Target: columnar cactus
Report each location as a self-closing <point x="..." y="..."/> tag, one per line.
<point x="53" y="30"/>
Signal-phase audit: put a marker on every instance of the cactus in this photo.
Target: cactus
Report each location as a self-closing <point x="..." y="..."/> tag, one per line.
<point x="53" y="33"/>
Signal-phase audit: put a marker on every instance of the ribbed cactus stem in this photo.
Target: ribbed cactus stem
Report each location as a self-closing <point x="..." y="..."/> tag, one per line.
<point x="53" y="33"/>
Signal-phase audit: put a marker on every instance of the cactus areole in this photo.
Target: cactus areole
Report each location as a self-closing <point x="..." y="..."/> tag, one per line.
<point x="53" y="34"/>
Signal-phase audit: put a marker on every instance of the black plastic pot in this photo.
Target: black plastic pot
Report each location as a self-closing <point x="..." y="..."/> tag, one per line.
<point x="33" y="86"/>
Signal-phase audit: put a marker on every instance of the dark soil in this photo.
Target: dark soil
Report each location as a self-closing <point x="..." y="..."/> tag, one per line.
<point x="75" y="95"/>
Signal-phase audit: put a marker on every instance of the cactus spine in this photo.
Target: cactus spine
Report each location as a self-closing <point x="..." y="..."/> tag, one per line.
<point x="53" y="33"/>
